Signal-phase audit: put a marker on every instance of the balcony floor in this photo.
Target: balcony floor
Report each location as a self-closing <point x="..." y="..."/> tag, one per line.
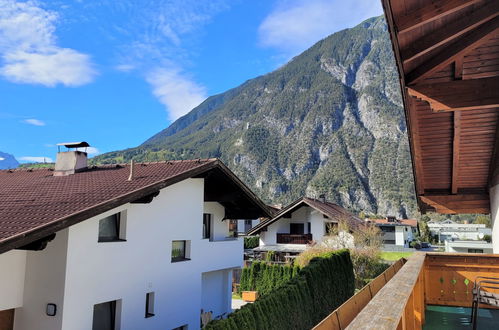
<point x="457" y="318"/>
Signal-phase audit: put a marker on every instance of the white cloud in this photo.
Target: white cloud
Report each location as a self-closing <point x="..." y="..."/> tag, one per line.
<point x="35" y="122"/>
<point x="296" y="25"/>
<point x="29" y="49"/>
<point x="176" y="91"/>
<point x="1" y="158"/>
<point x="90" y="150"/>
<point x="33" y="159"/>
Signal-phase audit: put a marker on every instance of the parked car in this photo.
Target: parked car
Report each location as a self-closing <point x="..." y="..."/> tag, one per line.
<point x="425" y="245"/>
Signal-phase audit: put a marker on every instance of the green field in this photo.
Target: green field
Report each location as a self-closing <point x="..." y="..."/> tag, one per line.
<point x="393" y="256"/>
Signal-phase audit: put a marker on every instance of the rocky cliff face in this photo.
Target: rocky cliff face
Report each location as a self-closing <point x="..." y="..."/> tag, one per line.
<point x="330" y="121"/>
<point x="7" y="161"/>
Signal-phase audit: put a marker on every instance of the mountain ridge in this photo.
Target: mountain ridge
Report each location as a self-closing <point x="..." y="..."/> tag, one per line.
<point x="329" y="121"/>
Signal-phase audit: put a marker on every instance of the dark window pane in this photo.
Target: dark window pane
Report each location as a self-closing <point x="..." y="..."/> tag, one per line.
<point x="104" y="316"/>
<point x="150" y="304"/>
<point x="109" y="228"/>
<point x="206" y="225"/>
<point x="296" y="228"/>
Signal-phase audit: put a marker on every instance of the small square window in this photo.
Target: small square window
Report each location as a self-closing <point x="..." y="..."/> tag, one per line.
<point x="105" y="316"/>
<point x="150" y="304"/>
<point x="180" y="251"/>
<point x="112" y="228"/>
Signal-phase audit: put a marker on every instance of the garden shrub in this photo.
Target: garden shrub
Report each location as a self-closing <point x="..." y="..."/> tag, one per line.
<point x="251" y="242"/>
<point x="264" y="277"/>
<point x="300" y="303"/>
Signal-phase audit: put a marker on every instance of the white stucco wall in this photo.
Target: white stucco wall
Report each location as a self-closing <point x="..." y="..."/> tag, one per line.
<point x="44" y="283"/>
<point x="13" y="265"/>
<point x="399" y="235"/>
<point x="219" y="228"/>
<point x="213" y="283"/>
<point x="76" y="272"/>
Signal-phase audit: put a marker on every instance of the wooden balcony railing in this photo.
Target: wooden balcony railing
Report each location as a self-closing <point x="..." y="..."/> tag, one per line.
<point x="294" y="238"/>
<point x="425" y="279"/>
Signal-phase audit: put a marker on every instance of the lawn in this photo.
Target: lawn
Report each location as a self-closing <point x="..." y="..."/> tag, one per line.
<point x="393" y="256"/>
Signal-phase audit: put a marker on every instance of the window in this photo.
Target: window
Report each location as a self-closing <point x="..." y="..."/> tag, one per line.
<point x="475" y="250"/>
<point x="112" y="228"/>
<point x="206" y="225"/>
<point x="309" y="227"/>
<point x="149" y="304"/>
<point x="405" y="228"/>
<point x="233" y="226"/>
<point x="105" y="316"/>
<point x="179" y="251"/>
<point x="247" y="225"/>
<point x="296" y="228"/>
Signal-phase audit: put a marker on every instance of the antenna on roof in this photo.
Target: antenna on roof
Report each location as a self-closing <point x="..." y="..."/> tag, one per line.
<point x="131" y="171"/>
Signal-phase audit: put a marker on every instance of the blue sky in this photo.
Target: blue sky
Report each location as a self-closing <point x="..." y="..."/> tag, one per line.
<point x="115" y="72"/>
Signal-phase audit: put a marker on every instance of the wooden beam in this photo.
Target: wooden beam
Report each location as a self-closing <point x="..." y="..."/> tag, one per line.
<point x="457" y="204"/>
<point x="414" y="138"/>
<point x="455" y="153"/>
<point x="431" y="41"/>
<point x="459" y="94"/>
<point x="458" y="48"/>
<point x="429" y="13"/>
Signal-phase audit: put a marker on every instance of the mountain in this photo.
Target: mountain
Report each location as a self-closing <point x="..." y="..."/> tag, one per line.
<point x="7" y="161"/>
<point x="329" y="121"/>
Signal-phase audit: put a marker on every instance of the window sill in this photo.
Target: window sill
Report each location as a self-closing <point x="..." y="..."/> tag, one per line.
<point x="180" y="259"/>
<point x="110" y="240"/>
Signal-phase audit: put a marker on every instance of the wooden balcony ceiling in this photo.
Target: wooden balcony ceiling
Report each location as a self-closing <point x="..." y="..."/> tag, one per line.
<point x="447" y="53"/>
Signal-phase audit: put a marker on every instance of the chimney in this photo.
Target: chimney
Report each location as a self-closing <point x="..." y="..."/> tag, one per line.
<point x="71" y="161"/>
<point x="322" y="198"/>
<point x="391" y="219"/>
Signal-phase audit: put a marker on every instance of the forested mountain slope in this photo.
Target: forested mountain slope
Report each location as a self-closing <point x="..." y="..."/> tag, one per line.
<point x="330" y="121"/>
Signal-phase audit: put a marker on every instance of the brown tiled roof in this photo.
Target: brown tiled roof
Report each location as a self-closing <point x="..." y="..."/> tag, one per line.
<point x="34" y="203"/>
<point x="331" y="210"/>
<point x="404" y="222"/>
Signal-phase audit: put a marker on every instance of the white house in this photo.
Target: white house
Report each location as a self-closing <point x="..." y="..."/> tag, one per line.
<point x="140" y="246"/>
<point x="468" y="247"/>
<point x="398" y="232"/>
<point x="450" y="230"/>
<point x="303" y="222"/>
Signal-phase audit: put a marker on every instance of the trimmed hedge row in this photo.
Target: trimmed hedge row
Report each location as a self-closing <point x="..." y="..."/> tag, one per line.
<point x="263" y="277"/>
<point x="302" y="302"/>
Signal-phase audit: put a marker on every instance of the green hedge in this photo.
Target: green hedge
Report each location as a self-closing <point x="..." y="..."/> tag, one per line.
<point x="263" y="277"/>
<point x="251" y="242"/>
<point x="319" y="288"/>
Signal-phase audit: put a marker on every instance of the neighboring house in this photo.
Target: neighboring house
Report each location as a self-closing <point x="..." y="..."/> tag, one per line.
<point x="397" y="231"/>
<point x="241" y="227"/>
<point x="450" y="230"/>
<point x="303" y="222"/>
<point x="140" y="246"/>
<point x="468" y="247"/>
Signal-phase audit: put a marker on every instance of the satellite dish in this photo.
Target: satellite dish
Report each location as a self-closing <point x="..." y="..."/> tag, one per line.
<point x="480" y="235"/>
